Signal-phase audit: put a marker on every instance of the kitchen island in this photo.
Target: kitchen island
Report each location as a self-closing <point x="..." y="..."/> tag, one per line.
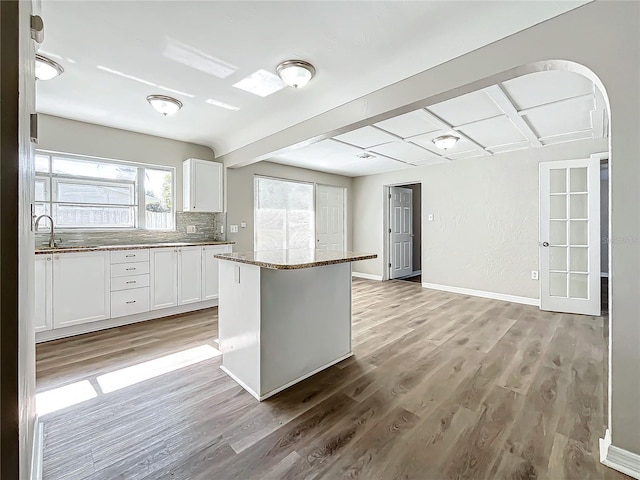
<point x="284" y="315"/>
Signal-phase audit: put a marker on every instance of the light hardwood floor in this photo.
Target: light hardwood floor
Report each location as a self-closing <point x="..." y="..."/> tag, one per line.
<point x="441" y="386"/>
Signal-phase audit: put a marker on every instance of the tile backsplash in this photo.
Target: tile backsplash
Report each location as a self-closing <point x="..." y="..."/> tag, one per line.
<point x="208" y="228"/>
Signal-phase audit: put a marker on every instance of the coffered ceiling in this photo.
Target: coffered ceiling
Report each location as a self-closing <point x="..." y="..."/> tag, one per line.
<point x="531" y="111"/>
<point x="115" y="54"/>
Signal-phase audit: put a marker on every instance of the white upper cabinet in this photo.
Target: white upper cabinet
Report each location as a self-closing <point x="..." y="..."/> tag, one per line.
<point x="43" y="293"/>
<point x="164" y="275"/>
<point x="189" y="275"/>
<point x="201" y="186"/>
<point x="210" y="270"/>
<point x="81" y="288"/>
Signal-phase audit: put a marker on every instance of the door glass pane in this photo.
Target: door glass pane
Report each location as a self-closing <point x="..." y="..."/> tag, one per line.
<point x="558" y="207"/>
<point x="578" y="285"/>
<point x="558" y="284"/>
<point x="558" y="180"/>
<point x="558" y="233"/>
<point x="578" y="232"/>
<point x="579" y="206"/>
<point x="578" y="179"/>
<point x="558" y="258"/>
<point x="579" y="257"/>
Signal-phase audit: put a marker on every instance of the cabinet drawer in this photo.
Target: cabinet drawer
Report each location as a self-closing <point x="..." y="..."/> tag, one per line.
<point x="131" y="281"/>
<point x="129" y="302"/>
<point x="127" y="269"/>
<point x="128" y="256"/>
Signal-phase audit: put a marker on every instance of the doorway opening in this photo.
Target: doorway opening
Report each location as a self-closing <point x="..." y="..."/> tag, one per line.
<point x="404" y="232"/>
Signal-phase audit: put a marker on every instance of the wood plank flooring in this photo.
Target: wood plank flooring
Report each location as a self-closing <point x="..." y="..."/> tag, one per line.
<point x="442" y="386"/>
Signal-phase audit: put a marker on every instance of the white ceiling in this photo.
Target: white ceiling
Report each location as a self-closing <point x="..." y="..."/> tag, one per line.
<point x="115" y="54"/>
<point x="526" y="112"/>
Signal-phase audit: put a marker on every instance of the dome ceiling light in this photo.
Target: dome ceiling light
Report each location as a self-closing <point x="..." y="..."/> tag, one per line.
<point x="296" y="73"/>
<point x="445" y="142"/>
<point x="164" y="104"/>
<point x="46" y="69"/>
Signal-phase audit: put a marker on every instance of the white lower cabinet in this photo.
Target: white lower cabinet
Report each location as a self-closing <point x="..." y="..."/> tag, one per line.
<point x="210" y="270"/>
<point x="189" y="275"/>
<point x="44" y="293"/>
<point x="81" y="288"/>
<point x="164" y="277"/>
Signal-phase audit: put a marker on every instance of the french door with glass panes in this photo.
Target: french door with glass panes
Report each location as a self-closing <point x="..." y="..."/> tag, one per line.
<point x="570" y="236"/>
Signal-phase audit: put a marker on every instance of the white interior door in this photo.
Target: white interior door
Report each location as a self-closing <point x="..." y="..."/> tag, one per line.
<point x="329" y="218"/>
<point x="400" y="224"/>
<point x="570" y="236"/>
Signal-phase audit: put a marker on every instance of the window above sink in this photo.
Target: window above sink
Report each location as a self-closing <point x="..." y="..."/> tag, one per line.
<point x="87" y="193"/>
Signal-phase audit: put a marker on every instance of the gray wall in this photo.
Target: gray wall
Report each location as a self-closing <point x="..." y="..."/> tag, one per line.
<point x="69" y="136"/>
<point x="485" y="230"/>
<point x="239" y="195"/>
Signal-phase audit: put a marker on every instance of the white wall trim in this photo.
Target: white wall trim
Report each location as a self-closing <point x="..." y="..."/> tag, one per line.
<point x="57" y="333"/>
<point x="618" y="458"/>
<point x="480" y="293"/>
<point x="367" y="276"/>
<point x="37" y="454"/>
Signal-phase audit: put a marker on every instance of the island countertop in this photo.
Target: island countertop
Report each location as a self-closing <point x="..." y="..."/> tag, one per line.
<point x="294" y="258"/>
<point x="107" y="248"/>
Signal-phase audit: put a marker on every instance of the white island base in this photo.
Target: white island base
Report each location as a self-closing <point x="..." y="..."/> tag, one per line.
<point x="278" y="327"/>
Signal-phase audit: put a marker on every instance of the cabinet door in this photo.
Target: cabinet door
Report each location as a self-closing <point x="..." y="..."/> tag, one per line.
<point x="210" y="270"/>
<point x="43" y="293"/>
<point x="81" y="288"/>
<point x="164" y="274"/>
<point x="189" y="275"/>
<point x="202" y="186"/>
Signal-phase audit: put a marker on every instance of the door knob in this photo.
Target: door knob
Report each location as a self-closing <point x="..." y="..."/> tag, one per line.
<point x="545" y="244"/>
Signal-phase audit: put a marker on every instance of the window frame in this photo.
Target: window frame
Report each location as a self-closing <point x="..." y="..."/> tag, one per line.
<point x="138" y="186"/>
<point x="256" y="177"/>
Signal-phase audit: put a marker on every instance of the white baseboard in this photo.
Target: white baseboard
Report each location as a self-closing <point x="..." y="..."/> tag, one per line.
<point x="57" y="333"/>
<point x="367" y="276"/>
<point x="286" y="385"/>
<point x="480" y="293"/>
<point x="618" y="458"/>
<point x="37" y="454"/>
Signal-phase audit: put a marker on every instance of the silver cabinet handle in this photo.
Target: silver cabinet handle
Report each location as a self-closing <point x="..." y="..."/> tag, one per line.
<point x="132" y="281"/>
<point x="131" y="301"/>
<point x="130" y="268"/>
<point x="132" y="255"/>
<point x="48" y="259"/>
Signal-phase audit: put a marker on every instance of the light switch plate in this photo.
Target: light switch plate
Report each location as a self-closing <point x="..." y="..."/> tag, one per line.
<point x="430" y="217"/>
<point x="191" y="229"/>
<point x="233" y="228"/>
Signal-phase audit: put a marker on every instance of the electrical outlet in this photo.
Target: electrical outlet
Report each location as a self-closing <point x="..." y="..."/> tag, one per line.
<point x="534" y="275"/>
<point x="233" y="228"/>
<point x="191" y="229"/>
<point x="243" y="224"/>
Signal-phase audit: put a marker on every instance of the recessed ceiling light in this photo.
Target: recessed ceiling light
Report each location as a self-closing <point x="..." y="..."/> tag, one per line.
<point x="261" y="83"/>
<point x="296" y="73"/>
<point x="444" y="142"/>
<point x="217" y="103"/>
<point x="164" y="104"/>
<point x="46" y="69"/>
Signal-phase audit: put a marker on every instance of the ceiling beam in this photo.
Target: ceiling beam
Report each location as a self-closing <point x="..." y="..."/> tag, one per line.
<point x="503" y="102"/>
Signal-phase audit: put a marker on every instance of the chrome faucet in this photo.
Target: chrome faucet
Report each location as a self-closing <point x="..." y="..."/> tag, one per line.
<point x="52" y="241"/>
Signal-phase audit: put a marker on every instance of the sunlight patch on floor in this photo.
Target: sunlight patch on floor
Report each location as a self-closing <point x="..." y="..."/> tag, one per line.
<point x="63" y="397"/>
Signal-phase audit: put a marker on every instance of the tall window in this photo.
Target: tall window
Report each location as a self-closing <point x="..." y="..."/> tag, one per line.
<point x="284" y="214"/>
<point x="87" y="193"/>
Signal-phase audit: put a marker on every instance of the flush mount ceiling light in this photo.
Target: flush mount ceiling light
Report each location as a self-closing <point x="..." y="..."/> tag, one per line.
<point x="164" y="104"/>
<point x="296" y="73"/>
<point x="46" y="69"/>
<point x="445" y="141"/>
